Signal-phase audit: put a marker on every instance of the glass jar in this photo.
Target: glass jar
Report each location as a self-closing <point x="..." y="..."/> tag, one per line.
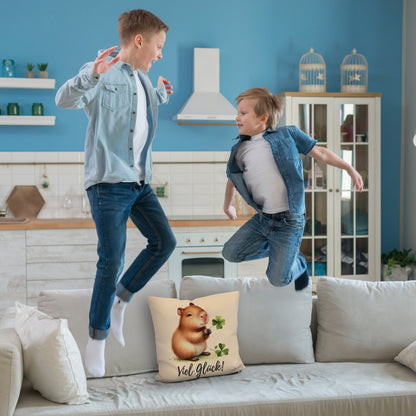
<point x="9" y="68"/>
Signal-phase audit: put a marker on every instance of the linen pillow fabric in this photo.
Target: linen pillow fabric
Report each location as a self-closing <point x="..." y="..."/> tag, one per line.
<point x="139" y="354"/>
<point x="273" y="322"/>
<point x="196" y="338"/>
<point x="51" y="358"/>
<point x="407" y="357"/>
<point x="364" y="321"/>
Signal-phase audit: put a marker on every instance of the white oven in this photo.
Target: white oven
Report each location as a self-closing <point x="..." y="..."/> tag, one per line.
<point x="199" y="253"/>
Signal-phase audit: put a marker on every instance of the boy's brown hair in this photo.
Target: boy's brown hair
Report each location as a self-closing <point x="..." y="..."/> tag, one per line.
<point x="266" y="103"/>
<point x="138" y="21"/>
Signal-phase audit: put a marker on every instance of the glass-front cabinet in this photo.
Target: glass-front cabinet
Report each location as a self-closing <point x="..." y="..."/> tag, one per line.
<point x="342" y="231"/>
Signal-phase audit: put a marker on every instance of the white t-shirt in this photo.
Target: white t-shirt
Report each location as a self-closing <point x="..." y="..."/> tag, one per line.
<point x="261" y="175"/>
<point x="142" y="127"/>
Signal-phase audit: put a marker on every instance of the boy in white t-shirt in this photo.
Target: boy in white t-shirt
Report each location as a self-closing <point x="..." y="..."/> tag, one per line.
<point x="266" y="169"/>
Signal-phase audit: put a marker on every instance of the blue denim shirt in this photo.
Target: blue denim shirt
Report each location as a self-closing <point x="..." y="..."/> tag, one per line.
<point x="110" y="102"/>
<point x="286" y="143"/>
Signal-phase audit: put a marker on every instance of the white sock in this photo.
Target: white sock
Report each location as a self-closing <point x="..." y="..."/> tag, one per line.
<point x="94" y="357"/>
<point x="117" y="319"/>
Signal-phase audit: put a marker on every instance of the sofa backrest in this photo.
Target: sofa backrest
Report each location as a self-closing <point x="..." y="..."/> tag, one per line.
<point x="139" y="354"/>
<point x="314" y="319"/>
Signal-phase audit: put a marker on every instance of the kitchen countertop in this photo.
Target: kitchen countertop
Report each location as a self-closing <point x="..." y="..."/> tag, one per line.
<point x="65" y="223"/>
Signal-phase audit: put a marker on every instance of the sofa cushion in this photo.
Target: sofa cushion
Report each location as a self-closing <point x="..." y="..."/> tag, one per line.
<point x="318" y="389"/>
<point x="364" y="321"/>
<point x="196" y="338"/>
<point x="407" y="357"/>
<point x="11" y="370"/>
<point x="273" y="322"/>
<point x="51" y="358"/>
<point x="139" y="354"/>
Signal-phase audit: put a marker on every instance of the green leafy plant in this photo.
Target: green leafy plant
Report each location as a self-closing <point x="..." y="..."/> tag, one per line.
<point x="397" y="258"/>
<point x="42" y="67"/>
<point x="30" y="66"/>
<point x="220" y="350"/>
<point x="218" y="322"/>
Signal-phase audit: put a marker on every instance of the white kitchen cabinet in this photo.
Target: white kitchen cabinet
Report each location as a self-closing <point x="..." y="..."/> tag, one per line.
<point x="12" y="269"/>
<point x="27" y="83"/>
<point x="67" y="258"/>
<point x="342" y="232"/>
<point x="253" y="268"/>
<point x="40" y="259"/>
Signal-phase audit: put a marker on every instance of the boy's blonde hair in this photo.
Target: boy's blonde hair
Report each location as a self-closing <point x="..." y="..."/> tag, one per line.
<point x="266" y="103"/>
<point x="138" y="21"/>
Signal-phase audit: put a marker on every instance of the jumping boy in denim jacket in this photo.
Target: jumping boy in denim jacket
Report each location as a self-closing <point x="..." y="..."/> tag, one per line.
<point x="121" y="105"/>
<point x="266" y="169"/>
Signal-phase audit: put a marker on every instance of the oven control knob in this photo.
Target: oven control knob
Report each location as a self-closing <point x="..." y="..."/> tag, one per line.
<point x="216" y="239"/>
<point x="202" y="240"/>
<point x="188" y="240"/>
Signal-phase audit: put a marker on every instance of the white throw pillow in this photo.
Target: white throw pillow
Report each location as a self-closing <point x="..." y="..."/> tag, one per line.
<point x="139" y="354"/>
<point x="51" y="358"/>
<point x="273" y="322"/>
<point x="364" y="321"/>
<point x="407" y="357"/>
<point x="196" y="338"/>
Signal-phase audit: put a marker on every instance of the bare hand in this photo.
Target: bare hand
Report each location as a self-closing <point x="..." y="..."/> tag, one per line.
<point x="101" y="66"/>
<point x="231" y="212"/>
<point x="166" y="83"/>
<point x="357" y="180"/>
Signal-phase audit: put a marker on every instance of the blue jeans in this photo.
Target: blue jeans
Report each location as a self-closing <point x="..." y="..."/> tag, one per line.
<point x="111" y="206"/>
<point x="277" y="236"/>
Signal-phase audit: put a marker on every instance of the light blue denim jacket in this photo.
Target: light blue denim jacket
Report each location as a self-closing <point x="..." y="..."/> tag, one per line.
<point x="286" y="144"/>
<point x="110" y="102"/>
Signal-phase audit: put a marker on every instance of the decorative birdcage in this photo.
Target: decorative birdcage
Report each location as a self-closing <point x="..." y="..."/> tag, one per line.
<point x="312" y="72"/>
<point x="354" y="73"/>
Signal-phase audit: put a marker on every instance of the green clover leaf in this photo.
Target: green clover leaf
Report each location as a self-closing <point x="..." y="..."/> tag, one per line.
<point x="221" y="350"/>
<point x="218" y="322"/>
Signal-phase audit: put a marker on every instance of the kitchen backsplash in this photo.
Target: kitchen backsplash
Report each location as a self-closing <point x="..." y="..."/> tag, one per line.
<point x="195" y="181"/>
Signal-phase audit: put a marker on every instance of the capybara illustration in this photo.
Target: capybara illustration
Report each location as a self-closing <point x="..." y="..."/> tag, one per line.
<point x="189" y="338"/>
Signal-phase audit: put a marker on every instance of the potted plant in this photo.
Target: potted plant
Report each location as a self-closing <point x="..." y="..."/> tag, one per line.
<point x="397" y="265"/>
<point x="30" y="73"/>
<point x="43" y="73"/>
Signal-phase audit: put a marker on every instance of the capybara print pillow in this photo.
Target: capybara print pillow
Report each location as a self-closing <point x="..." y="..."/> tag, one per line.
<point x="196" y="338"/>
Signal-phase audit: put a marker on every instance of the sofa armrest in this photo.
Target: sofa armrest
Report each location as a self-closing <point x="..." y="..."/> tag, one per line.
<point x="11" y="370"/>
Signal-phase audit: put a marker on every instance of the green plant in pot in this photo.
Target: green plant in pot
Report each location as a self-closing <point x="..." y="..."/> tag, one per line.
<point x="43" y="73"/>
<point x="30" y="73"/>
<point x="397" y="265"/>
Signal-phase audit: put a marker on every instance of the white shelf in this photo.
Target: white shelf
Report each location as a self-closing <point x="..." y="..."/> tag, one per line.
<point x="33" y="83"/>
<point x="27" y="120"/>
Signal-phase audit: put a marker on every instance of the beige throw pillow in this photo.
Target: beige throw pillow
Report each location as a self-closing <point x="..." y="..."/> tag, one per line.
<point x="196" y="338"/>
<point x="407" y="357"/>
<point x="51" y="358"/>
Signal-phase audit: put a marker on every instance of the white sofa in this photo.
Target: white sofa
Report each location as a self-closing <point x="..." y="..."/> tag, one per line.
<point x="333" y="355"/>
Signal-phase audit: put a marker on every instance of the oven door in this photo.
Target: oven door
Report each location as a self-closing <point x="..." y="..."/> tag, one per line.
<point x="206" y="260"/>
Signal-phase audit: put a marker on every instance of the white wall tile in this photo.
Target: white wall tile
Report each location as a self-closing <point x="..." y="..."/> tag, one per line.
<point x="193" y="182"/>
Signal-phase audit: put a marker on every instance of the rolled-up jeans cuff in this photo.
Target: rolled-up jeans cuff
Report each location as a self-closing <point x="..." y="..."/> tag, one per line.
<point x="99" y="334"/>
<point x="123" y="293"/>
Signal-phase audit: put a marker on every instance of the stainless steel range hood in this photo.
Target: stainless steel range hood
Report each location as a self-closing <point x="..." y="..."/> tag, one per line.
<point x="206" y="104"/>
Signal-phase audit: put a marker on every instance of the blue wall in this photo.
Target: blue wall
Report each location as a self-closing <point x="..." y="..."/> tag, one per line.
<point x="260" y="44"/>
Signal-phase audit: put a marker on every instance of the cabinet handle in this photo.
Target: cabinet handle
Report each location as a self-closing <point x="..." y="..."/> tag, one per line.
<point x="330" y="190"/>
<point x="336" y="190"/>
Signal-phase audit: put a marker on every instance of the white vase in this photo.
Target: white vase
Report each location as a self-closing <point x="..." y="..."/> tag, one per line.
<point x="397" y="273"/>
